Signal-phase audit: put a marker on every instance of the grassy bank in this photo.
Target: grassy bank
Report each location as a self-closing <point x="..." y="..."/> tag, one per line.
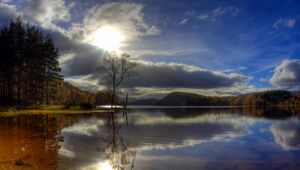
<point x="50" y="109"/>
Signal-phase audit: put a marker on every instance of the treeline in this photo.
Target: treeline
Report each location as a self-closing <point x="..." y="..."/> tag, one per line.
<point x="104" y="97"/>
<point x="273" y="97"/>
<point x="29" y="68"/>
<point x="69" y="95"/>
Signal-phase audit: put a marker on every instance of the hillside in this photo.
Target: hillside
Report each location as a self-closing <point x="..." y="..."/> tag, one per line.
<point x="144" y="102"/>
<point x="69" y="94"/>
<point x="181" y="99"/>
<point x="274" y="97"/>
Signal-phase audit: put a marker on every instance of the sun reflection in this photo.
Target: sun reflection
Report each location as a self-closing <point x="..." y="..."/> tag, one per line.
<point x="105" y="166"/>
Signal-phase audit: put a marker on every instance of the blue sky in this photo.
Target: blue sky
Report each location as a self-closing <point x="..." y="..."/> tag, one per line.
<point x="224" y="47"/>
<point x="243" y="36"/>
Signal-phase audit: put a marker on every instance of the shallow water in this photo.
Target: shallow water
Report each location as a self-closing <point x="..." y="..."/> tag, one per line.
<point x="156" y="138"/>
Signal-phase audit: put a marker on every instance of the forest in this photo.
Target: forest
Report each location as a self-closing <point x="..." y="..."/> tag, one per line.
<point x="29" y="68"/>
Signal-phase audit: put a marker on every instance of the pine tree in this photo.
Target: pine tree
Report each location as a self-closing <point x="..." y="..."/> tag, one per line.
<point x="29" y="68"/>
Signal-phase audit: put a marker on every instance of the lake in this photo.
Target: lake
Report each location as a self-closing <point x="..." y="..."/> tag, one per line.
<point x="154" y="138"/>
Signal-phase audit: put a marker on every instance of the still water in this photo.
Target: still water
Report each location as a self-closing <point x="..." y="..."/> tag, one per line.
<point x="154" y="138"/>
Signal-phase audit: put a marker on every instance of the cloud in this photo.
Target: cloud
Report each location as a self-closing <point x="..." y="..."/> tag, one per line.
<point x="224" y="10"/>
<point x="153" y="77"/>
<point x="76" y="58"/>
<point x="85" y="82"/>
<point x="46" y="12"/>
<point x="203" y="17"/>
<point x="7" y="12"/>
<point x="284" y="22"/>
<point x="219" y="12"/>
<point x="241" y="68"/>
<point x="180" y="75"/>
<point x="264" y="79"/>
<point x="183" y="21"/>
<point x="287" y="135"/>
<point x="127" y="17"/>
<point x="287" y="74"/>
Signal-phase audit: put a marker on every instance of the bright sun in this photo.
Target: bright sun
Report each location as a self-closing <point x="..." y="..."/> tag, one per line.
<point x="105" y="166"/>
<point x="108" y="37"/>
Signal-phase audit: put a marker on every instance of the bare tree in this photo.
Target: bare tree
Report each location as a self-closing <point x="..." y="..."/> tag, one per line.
<point x="115" y="69"/>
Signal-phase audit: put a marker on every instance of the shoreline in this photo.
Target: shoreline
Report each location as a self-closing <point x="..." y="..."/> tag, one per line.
<point x="54" y="109"/>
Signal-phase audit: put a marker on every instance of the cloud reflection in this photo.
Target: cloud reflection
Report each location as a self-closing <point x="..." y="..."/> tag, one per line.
<point x="287" y="134"/>
<point x="147" y="133"/>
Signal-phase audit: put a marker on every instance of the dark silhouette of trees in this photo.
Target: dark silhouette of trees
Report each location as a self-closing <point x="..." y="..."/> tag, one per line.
<point x="271" y="97"/>
<point x="29" y="68"/>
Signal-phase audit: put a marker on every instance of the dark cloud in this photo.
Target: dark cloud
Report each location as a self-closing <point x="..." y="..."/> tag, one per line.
<point x="157" y="75"/>
<point x="287" y="74"/>
<point x="180" y="75"/>
<point x="7" y="12"/>
<point x="83" y="58"/>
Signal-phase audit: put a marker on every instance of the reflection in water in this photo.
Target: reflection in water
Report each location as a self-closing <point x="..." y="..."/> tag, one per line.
<point x="117" y="150"/>
<point x="29" y="141"/>
<point x="230" y="138"/>
<point x="287" y="134"/>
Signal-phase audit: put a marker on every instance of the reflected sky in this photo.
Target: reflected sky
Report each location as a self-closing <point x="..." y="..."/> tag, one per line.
<point x="153" y="139"/>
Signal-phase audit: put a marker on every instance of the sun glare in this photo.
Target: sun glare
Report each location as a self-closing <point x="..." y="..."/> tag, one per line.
<point x="108" y="38"/>
<point x="105" y="166"/>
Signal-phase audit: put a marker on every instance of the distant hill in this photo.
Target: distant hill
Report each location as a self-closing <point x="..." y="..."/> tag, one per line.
<point x="181" y="99"/>
<point x="273" y="97"/>
<point x="144" y="102"/>
<point x="191" y="99"/>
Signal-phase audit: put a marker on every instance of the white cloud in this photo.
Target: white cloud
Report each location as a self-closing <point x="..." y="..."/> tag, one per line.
<point x="219" y="12"/>
<point x="203" y="17"/>
<point x="65" y="57"/>
<point x="183" y="21"/>
<point x="287" y="135"/>
<point x="241" y="68"/>
<point x="284" y="22"/>
<point x="287" y="74"/>
<point x="127" y="17"/>
<point x="46" y="12"/>
<point x="263" y="79"/>
<point x="43" y="13"/>
<point x="85" y="82"/>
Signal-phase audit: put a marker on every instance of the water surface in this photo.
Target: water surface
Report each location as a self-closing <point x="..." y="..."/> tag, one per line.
<point x="154" y="138"/>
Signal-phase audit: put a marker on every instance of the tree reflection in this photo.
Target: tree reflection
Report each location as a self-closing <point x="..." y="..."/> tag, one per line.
<point x="117" y="151"/>
<point x="33" y="141"/>
<point x="29" y="142"/>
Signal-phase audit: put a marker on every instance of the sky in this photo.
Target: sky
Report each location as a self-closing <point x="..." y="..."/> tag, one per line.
<point x="214" y="48"/>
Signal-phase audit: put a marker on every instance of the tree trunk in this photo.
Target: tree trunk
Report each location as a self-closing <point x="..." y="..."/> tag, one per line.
<point x="113" y="95"/>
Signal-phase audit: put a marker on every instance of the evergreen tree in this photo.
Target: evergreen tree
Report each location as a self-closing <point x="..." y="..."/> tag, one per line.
<point x="29" y="68"/>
